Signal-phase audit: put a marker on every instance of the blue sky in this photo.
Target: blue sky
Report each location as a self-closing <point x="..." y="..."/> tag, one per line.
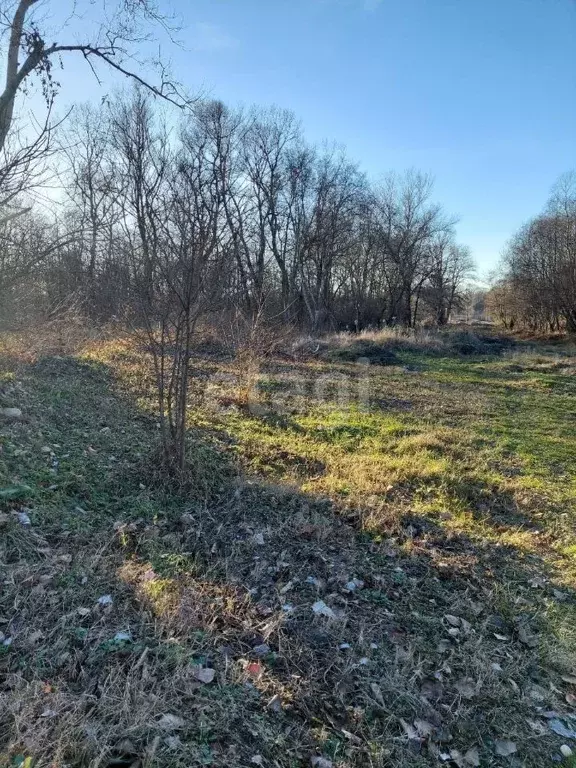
<point x="481" y="93"/>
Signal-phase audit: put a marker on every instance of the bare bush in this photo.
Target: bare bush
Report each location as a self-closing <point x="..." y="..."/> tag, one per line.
<point x="251" y="339"/>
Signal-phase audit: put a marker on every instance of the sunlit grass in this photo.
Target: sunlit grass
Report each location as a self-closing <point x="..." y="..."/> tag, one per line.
<point x="454" y="482"/>
<point x="487" y="452"/>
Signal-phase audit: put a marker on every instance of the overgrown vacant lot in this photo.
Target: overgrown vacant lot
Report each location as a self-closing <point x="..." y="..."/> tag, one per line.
<point x="373" y="565"/>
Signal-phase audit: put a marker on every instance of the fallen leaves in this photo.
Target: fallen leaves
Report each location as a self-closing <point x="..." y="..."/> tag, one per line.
<point x="504" y="747"/>
<point x="423" y="728"/>
<point x="13" y="414"/>
<point x="275" y="703"/>
<point x="320" y="608"/>
<point x="377" y="693"/>
<point x="105" y="600"/>
<point x="526" y="637"/>
<point x="409" y="730"/>
<point x="35" y="637"/>
<point x="456" y="625"/>
<point x="350" y="736"/>
<point x="353" y="585"/>
<point x="261" y="650"/>
<point x="561" y="729"/>
<point x="204" y="674"/>
<point x="320" y="762"/>
<point x="466" y="687"/>
<point x="476" y="608"/>
<point x="412" y="616"/>
<point x="537" y="727"/>
<point x="170" y="722"/>
<point x="470" y="758"/>
<point x="538" y="582"/>
<point x="431" y="689"/>
<point x="255" y="669"/>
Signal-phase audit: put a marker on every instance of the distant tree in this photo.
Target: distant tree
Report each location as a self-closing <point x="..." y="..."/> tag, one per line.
<point x="539" y="285"/>
<point x="562" y="201"/>
<point x="271" y="141"/>
<point x="502" y="305"/>
<point x="408" y="225"/>
<point x="337" y="192"/>
<point x="92" y="208"/>
<point x="451" y="266"/>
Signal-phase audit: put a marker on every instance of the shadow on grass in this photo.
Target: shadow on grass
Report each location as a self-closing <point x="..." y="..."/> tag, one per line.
<point x="121" y="599"/>
<point x="490" y="504"/>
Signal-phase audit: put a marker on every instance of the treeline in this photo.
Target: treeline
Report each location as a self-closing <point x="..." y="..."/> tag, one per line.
<point x="232" y="209"/>
<point x="538" y="289"/>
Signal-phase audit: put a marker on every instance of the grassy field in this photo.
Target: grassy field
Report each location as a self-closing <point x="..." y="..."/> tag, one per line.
<point x="374" y="564"/>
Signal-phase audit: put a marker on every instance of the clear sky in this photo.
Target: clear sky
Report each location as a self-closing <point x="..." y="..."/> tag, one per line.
<point x="481" y="93"/>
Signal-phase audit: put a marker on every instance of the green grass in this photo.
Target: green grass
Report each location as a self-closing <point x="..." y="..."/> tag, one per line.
<point x="446" y="484"/>
<point x="474" y="431"/>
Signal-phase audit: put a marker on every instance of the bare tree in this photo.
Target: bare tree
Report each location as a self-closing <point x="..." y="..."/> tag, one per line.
<point x="408" y="224"/>
<point x="503" y="305"/>
<point x="113" y="42"/>
<point x="538" y="290"/>
<point x="177" y="244"/>
<point x="92" y="208"/>
<point x="23" y="247"/>
<point x="30" y="55"/>
<point x="30" y="245"/>
<point x="270" y="137"/>
<point x="337" y="193"/>
<point x="359" y="289"/>
<point x="562" y="201"/>
<point x="451" y="267"/>
<point x="24" y="167"/>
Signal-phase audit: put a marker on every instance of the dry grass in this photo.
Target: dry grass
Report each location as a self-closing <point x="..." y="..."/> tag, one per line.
<point x="66" y="332"/>
<point x="453" y="340"/>
<point x="449" y="508"/>
<point x="417" y="340"/>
